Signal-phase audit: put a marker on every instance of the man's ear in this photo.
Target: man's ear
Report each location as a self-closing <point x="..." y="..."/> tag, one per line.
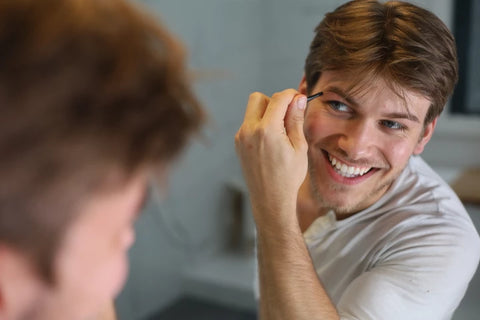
<point x="425" y="137"/>
<point x="302" y="87"/>
<point x="5" y="267"/>
<point x="19" y="284"/>
<point x="3" y="308"/>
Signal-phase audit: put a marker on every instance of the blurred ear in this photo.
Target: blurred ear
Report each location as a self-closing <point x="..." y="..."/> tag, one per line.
<point x="302" y="87"/>
<point x="3" y="312"/>
<point x="7" y="263"/>
<point x="19" y="285"/>
<point x="108" y="313"/>
<point x="425" y="137"/>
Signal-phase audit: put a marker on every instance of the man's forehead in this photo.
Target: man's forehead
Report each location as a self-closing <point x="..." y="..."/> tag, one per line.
<point x="356" y="83"/>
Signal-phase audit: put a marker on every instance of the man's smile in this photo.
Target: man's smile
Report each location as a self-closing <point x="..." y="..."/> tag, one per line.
<point x="345" y="170"/>
<point x="345" y="173"/>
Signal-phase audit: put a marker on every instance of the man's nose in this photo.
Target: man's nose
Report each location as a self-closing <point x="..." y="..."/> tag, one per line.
<point x="358" y="140"/>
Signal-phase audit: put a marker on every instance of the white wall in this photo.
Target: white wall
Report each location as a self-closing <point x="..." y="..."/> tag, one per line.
<point x="224" y="50"/>
<point x="236" y="46"/>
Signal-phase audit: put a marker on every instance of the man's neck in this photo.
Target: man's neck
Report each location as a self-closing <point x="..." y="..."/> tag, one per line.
<point x="308" y="209"/>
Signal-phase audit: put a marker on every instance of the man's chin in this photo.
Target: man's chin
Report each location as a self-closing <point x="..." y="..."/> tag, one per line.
<point x="336" y="202"/>
<point x="343" y="201"/>
<point x="342" y="209"/>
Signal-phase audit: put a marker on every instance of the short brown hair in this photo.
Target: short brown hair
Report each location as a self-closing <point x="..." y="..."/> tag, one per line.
<point x="408" y="46"/>
<point x="87" y="88"/>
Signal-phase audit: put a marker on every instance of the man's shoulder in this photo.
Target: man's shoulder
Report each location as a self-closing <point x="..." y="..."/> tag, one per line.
<point x="420" y="199"/>
<point x="420" y="187"/>
<point x="419" y="202"/>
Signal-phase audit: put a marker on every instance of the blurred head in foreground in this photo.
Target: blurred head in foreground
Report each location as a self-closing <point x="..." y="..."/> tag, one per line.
<point x="94" y="99"/>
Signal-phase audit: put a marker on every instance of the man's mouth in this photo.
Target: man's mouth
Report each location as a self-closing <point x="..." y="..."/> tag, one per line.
<point x="345" y="170"/>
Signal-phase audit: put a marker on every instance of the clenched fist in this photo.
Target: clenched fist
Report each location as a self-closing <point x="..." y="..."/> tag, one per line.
<point x="273" y="152"/>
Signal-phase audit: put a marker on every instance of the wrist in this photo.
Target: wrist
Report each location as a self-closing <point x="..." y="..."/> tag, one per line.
<point x="276" y="217"/>
<point x="277" y="230"/>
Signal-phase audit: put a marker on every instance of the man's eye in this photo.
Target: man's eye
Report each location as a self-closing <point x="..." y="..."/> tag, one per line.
<point x="338" y="106"/>
<point x="392" y="125"/>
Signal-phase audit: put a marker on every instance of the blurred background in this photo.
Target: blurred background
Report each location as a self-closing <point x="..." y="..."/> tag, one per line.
<point x="193" y="258"/>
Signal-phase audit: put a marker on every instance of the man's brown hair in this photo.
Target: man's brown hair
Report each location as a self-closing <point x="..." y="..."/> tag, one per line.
<point x="408" y="46"/>
<point x="88" y="89"/>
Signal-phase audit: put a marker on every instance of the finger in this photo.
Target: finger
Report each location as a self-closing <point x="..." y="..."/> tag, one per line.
<point x="257" y="103"/>
<point x="278" y="106"/>
<point x="294" y="121"/>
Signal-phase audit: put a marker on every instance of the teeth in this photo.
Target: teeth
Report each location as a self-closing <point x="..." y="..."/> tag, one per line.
<point x="347" y="171"/>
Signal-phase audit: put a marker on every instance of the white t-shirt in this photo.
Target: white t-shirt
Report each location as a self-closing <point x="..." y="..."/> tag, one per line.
<point x="409" y="256"/>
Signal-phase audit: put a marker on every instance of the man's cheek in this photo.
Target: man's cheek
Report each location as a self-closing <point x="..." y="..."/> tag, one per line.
<point x="398" y="155"/>
<point x="312" y="129"/>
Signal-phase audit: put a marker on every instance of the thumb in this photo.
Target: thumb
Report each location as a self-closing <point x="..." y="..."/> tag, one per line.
<point x="294" y="121"/>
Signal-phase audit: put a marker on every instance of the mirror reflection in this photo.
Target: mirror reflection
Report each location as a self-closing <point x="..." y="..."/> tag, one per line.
<point x="260" y="159"/>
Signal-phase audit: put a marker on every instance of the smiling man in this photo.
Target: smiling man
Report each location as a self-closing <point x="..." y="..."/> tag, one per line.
<point x="94" y="103"/>
<point x="351" y="222"/>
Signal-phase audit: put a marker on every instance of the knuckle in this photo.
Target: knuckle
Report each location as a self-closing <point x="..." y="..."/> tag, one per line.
<point x="290" y="91"/>
<point x="240" y="136"/>
<point x="253" y="135"/>
<point x="276" y="95"/>
<point x="261" y="132"/>
<point x="255" y="96"/>
<point x="237" y="138"/>
<point x="246" y="134"/>
<point x="285" y="94"/>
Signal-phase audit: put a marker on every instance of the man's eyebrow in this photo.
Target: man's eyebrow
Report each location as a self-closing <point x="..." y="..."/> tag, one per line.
<point x="400" y="115"/>
<point x="352" y="102"/>
<point x="342" y="94"/>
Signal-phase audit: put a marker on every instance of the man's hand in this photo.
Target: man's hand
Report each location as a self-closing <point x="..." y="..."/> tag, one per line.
<point x="273" y="152"/>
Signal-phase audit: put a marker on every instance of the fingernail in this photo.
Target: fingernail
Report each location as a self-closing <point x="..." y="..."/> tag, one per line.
<point x="302" y="102"/>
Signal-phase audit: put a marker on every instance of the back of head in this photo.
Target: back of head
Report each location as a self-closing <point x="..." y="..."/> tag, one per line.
<point x="89" y="90"/>
<point x="408" y="46"/>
